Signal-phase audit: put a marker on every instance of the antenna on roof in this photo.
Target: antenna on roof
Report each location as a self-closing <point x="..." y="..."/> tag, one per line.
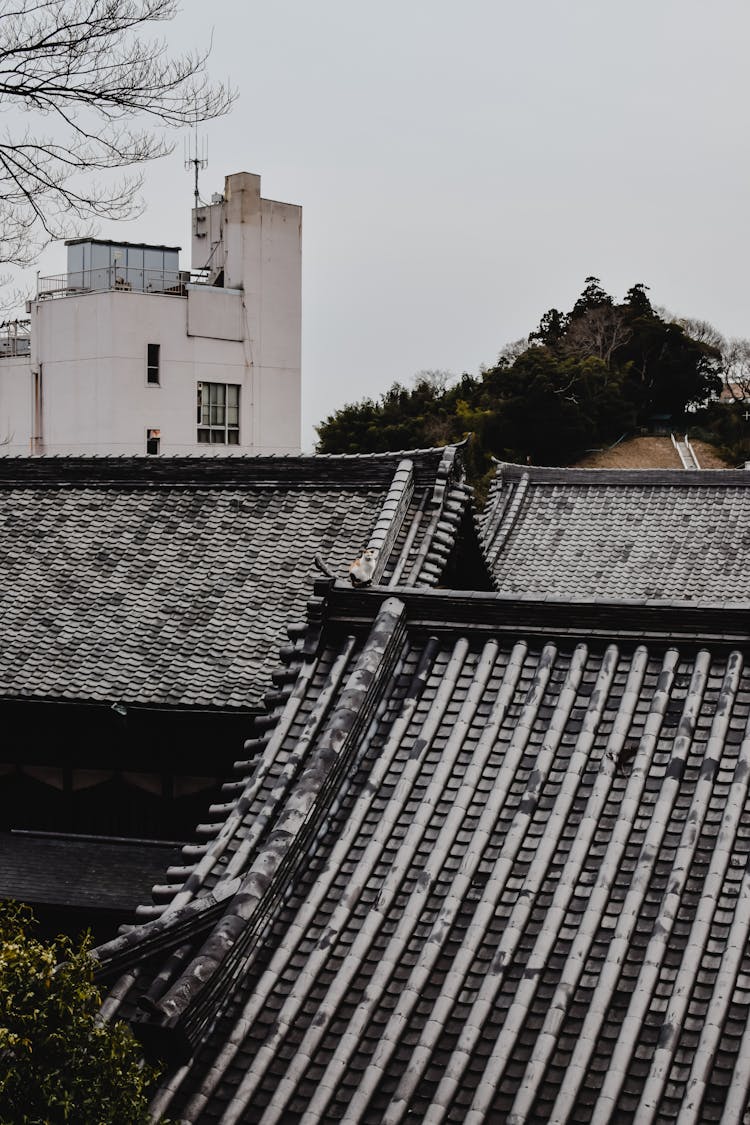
<point x="196" y="157"/>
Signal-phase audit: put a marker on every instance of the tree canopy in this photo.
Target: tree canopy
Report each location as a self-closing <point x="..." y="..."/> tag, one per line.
<point x="58" y="1063"/>
<point x="94" y="97"/>
<point x="580" y="380"/>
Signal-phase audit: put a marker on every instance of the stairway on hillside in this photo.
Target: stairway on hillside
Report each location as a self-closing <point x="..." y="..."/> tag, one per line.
<point x="651" y="453"/>
<point x="685" y="452"/>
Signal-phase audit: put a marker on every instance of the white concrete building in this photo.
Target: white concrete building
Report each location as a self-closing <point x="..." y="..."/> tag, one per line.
<point x="127" y="353"/>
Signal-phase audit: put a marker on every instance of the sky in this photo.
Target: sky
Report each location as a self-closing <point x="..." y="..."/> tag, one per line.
<point x="463" y="167"/>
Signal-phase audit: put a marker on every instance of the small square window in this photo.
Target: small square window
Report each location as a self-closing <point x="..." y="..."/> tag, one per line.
<point x="153" y="440"/>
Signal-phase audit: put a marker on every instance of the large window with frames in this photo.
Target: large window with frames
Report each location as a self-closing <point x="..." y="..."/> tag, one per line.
<point x="219" y="413"/>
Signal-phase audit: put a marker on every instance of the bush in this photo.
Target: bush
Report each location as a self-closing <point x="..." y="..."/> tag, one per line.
<point x="57" y="1062"/>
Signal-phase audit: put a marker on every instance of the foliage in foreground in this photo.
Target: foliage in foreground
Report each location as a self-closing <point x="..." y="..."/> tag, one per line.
<point x="580" y="381"/>
<point x="57" y="1064"/>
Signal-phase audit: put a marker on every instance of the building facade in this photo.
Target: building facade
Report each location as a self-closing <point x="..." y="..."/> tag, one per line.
<point x="129" y="354"/>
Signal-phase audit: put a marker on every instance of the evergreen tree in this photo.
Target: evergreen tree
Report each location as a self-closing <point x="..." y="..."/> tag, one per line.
<point x="592" y="297"/>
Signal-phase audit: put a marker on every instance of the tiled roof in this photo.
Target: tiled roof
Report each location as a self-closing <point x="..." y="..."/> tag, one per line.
<point x="73" y="871"/>
<point x="168" y="581"/>
<point x="648" y="533"/>
<point x="489" y="865"/>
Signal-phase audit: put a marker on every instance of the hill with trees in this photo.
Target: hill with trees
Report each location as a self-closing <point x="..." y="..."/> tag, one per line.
<point x="581" y="380"/>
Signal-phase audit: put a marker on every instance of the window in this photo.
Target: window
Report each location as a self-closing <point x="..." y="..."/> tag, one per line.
<point x="219" y="413"/>
<point x="152" y="363"/>
<point x="153" y="439"/>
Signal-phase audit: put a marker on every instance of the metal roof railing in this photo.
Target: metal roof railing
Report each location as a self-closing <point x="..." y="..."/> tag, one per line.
<point x="15" y="338"/>
<point x="127" y="279"/>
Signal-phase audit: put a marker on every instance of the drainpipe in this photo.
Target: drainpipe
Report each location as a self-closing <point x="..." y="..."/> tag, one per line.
<point x="37" y="396"/>
<point x="37" y="434"/>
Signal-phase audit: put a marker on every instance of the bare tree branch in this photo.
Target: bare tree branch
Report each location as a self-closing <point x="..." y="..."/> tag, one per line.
<point x="513" y="349"/>
<point x="701" y="330"/>
<point x="735" y="363"/>
<point x="598" y="332"/>
<point x="438" y="380"/>
<point x="97" y="99"/>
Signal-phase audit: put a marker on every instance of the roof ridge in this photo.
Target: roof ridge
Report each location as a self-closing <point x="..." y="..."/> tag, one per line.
<point x="190" y="999"/>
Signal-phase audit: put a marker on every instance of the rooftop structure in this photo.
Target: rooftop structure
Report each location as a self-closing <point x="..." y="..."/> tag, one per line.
<point x="99" y="265"/>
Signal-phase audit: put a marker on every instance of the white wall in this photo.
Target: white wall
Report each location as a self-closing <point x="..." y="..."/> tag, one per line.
<point x="278" y="384"/>
<point x="96" y="400"/>
<point x="15" y="406"/>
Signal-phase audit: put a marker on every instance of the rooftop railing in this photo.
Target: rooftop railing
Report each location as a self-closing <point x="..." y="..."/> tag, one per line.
<point x="15" y="338"/>
<point x="104" y="279"/>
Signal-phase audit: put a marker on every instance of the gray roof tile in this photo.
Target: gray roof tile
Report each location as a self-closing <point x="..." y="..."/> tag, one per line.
<point x="73" y="871"/>
<point x="168" y="581"/>
<point x="652" y="533"/>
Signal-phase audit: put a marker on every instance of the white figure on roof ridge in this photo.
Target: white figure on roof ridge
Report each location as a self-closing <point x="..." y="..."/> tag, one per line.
<point x="363" y="567"/>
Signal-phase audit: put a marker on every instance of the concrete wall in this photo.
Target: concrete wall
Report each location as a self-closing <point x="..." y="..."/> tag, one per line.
<point x="16" y="393"/>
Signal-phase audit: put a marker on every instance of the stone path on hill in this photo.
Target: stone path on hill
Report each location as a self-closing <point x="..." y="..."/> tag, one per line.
<point x="650" y="453"/>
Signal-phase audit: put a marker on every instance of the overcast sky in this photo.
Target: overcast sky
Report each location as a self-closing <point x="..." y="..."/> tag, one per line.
<point x="463" y="167"/>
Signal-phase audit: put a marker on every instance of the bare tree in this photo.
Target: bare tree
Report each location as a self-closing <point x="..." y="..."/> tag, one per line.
<point x="438" y="380"/>
<point x="700" y="330"/>
<point x="96" y="98"/>
<point x="734" y="353"/>
<point x="735" y="363"/>
<point x="598" y="332"/>
<point x="512" y="350"/>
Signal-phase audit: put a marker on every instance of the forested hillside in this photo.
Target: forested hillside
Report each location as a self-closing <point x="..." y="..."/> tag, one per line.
<point x="580" y="381"/>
